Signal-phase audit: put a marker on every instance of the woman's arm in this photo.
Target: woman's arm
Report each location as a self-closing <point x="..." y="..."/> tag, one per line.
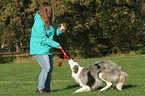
<point x="40" y="34"/>
<point x="60" y="30"/>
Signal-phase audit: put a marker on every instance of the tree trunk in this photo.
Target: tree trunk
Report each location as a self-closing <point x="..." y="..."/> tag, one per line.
<point x="17" y="48"/>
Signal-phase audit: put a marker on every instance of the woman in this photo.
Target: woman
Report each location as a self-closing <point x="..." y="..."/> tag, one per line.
<point x="42" y="42"/>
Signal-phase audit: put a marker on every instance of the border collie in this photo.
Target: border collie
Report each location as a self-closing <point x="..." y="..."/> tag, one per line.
<point x="91" y="77"/>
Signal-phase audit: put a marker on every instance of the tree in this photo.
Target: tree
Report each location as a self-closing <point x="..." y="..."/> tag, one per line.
<point x="16" y="21"/>
<point x="94" y="27"/>
<point x="103" y="26"/>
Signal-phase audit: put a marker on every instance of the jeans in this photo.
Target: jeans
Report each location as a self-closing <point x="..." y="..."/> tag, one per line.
<point x="46" y="63"/>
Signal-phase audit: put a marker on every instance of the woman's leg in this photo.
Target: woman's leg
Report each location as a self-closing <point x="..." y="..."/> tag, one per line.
<point x="44" y="62"/>
<point x="48" y="80"/>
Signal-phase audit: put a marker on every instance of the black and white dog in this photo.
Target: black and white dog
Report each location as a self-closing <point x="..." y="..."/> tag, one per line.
<point x="91" y="77"/>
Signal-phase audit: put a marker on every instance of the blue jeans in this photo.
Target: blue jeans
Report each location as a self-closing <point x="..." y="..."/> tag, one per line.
<point x="46" y="63"/>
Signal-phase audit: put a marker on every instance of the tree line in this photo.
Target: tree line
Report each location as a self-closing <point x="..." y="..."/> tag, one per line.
<point x="93" y="27"/>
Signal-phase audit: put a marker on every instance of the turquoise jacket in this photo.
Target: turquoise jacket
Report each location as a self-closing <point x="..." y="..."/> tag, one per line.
<point x="41" y="41"/>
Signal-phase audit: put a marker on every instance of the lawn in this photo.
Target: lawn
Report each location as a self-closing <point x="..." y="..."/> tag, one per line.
<point x="21" y="79"/>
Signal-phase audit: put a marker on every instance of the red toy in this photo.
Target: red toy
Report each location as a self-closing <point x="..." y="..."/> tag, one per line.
<point x="65" y="56"/>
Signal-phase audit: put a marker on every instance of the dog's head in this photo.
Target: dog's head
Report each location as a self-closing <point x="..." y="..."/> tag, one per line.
<point x="74" y="65"/>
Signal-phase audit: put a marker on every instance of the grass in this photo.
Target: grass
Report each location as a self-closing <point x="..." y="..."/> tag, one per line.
<point x="21" y="79"/>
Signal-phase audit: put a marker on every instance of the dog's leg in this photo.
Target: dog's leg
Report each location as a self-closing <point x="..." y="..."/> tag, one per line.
<point x="119" y="85"/>
<point x="120" y="82"/>
<point x="83" y="89"/>
<point x="108" y="83"/>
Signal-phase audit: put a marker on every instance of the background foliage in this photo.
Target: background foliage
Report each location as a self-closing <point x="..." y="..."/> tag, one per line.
<point x="93" y="27"/>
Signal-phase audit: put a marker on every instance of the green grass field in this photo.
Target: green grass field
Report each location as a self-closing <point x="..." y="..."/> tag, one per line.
<point x="21" y="79"/>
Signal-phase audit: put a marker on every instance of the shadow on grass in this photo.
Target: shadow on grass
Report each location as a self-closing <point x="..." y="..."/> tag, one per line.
<point x="68" y="87"/>
<point x="129" y="86"/>
<point x="71" y="87"/>
<point x="74" y="86"/>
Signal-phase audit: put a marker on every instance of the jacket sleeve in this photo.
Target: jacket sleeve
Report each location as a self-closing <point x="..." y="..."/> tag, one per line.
<point x="50" y="43"/>
<point x="57" y="30"/>
<point x="41" y="35"/>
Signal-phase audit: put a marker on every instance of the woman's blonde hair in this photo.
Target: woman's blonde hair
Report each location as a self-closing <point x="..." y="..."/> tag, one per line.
<point x="46" y="14"/>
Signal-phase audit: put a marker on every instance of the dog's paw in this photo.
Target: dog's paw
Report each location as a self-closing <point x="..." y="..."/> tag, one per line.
<point x="101" y="90"/>
<point x="119" y="89"/>
<point x="75" y="92"/>
<point x="111" y="88"/>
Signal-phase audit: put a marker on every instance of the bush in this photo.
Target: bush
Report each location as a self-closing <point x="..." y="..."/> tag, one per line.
<point x="6" y="59"/>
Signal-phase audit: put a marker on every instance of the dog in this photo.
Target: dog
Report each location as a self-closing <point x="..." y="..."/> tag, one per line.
<point x="91" y="77"/>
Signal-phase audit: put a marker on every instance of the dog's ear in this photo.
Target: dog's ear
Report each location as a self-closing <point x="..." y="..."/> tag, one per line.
<point x="75" y="69"/>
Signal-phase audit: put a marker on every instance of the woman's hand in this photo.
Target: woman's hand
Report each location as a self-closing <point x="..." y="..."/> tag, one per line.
<point x="59" y="47"/>
<point x="62" y="28"/>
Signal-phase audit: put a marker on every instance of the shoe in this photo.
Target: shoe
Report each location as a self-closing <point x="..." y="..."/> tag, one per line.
<point x="47" y="91"/>
<point x="40" y="91"/>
